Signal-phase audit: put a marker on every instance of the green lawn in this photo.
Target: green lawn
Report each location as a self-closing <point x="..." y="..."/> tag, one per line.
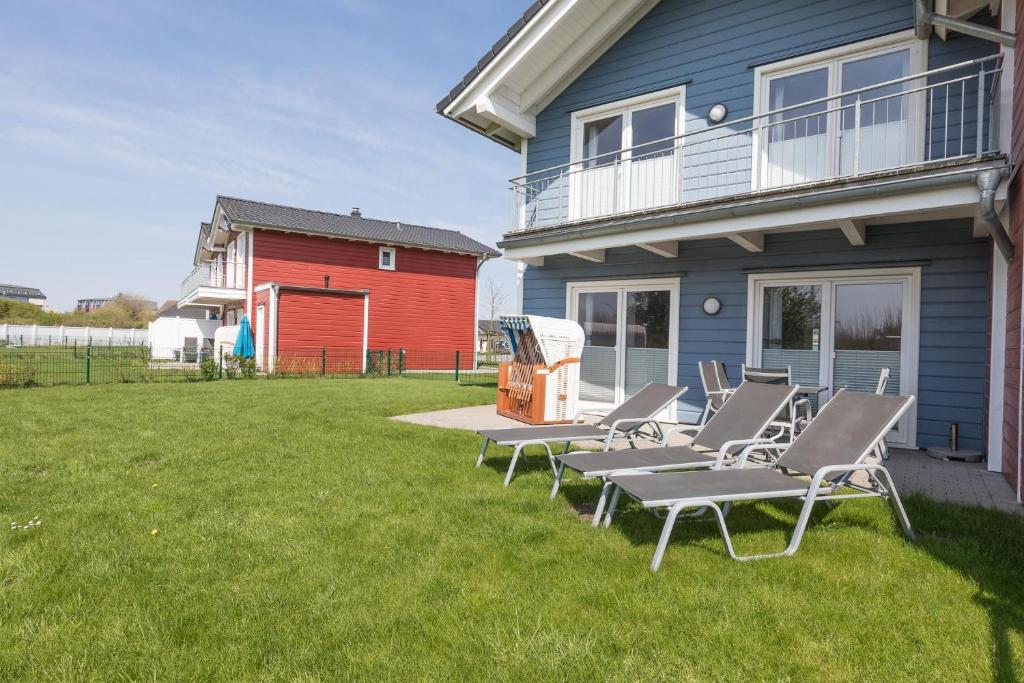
<point x="288" y="530"/>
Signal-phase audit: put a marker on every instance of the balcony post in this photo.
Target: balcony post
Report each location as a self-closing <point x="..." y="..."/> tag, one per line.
<point x="856" y="136"/>
<point x="981" y="112"/>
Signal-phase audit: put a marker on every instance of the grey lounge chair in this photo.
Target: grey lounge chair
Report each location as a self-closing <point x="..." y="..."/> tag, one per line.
<point x="834" y="446"/>
<point x="789" y="418"/>
<point x="741" y="422"/>
<point x="624" y="422"/>
<point x="717" y="387"/>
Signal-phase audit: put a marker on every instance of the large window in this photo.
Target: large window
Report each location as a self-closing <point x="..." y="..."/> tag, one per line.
<point x="838" y="329"/>
<point x="630" y="328"/>
<point x="625" y="155"/>
<point x="822" y="133"/>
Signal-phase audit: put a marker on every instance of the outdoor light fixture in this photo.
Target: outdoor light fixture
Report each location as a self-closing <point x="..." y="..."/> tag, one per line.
<point x="712" y="305"/>
<point x="717" y="113"/>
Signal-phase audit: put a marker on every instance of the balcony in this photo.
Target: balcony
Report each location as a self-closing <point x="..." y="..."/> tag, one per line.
<point x="214" y="283"/>
<point x="942" y="117"/>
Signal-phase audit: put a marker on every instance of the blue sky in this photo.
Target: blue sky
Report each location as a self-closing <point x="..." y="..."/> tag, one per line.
<point x="121" y="121"/>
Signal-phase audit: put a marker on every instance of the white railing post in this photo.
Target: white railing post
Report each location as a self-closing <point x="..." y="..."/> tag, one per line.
<point x="88" y="335"/>
<point x="35" y="335"/>
<point x="7" y="338"/>
<point x="856" y="137"/>
<point x="981" y="112"/>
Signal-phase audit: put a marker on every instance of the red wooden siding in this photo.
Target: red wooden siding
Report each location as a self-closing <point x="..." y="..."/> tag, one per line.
<point x="1012" y="438"/>
<point x="309" y="321"/>
<point x="426" y="304"/>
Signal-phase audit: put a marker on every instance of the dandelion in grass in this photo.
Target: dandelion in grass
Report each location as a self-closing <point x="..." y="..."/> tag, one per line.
<point x="154" y="532"/>
<point x="27" y="526"/>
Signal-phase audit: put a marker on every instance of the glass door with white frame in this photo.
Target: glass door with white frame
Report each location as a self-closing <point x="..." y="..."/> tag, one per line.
<point x="629" y="338"/>
<point x="882" y="136"/>
<point x="598" y="315"/>
<point x="839" y="332"/>
<point x="627" y="158"/>
<point x="868" y="335"/>
<point x="827" y="138"/>
<point x="791" y="330"/>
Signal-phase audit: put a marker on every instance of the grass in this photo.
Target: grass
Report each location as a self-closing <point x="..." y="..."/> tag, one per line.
<point x="289" y="530"/>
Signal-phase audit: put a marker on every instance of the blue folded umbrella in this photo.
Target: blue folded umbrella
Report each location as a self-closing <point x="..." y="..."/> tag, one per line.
<point x="243" y="343"/>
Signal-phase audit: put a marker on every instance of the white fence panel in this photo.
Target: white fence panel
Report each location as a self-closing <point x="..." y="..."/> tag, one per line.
<point x="66" y="335"/>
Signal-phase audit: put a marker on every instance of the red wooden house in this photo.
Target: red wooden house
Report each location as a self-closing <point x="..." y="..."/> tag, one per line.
<point x="312" y="281"/>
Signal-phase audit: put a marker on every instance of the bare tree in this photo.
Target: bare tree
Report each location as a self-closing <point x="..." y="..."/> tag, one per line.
<point x="497" y="299"/>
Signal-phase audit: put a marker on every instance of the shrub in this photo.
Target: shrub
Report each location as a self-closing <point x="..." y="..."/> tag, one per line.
<point x="248" y="367"/>
<point x="208" y="368"/>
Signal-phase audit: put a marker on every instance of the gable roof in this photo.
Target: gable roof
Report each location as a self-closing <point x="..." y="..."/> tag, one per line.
<point x="504" y="40"/>
<point x="275" y="216"/>
<point x="536" y="59"/>
<point x="20" y="291"/>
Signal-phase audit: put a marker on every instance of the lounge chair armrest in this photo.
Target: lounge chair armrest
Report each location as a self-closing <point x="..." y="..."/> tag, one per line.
<point x="590" y="411"/>
<point x="825" y="472"/>
<point x="679" y="429"/>
<point x="765" y="445"/>
<point x="723" y="452"/>
<point x="613" y="428"/>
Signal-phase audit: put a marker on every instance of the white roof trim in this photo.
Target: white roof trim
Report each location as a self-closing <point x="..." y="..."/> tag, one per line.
<point x="490" y="105"/>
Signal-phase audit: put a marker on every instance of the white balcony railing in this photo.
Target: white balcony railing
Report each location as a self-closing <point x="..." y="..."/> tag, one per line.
<point x="936" y="116"/>
<point x="223" y="275"/>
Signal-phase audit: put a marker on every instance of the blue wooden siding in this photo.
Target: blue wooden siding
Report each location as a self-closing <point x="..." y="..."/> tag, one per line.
<point x="713" y="47"/>
<point x="954" y="306"/>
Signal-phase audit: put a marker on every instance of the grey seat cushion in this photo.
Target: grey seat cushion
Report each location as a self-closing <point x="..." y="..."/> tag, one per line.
<point x="597" y="464"/>
<point x="572" y="432"/>
<point x="725" y="484"/>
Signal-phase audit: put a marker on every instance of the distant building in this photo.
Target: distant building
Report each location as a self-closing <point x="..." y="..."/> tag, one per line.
<point x="313" y="282"/>
<point x="86" y="305"/>
<point x="24" y="295"/>
<point x="170" y="309"/>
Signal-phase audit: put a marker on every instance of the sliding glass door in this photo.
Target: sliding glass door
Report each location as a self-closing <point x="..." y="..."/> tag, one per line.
<point x="839" y="330"/>
<point x="630" y="329"/>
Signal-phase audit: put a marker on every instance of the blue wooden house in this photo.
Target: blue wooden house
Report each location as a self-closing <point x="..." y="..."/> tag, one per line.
<point x="818" y="184"/>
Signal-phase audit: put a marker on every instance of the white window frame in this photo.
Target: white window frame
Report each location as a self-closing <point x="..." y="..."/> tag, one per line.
<point x="910" y="345"/>
<point x="671" y="284"/>
<point x="832" y="59"/>
<point x="390" y="251"/>
<point x="625" y="108"/>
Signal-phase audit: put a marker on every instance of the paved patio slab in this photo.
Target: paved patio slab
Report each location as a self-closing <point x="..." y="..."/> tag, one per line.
<point x="912" y="471"/>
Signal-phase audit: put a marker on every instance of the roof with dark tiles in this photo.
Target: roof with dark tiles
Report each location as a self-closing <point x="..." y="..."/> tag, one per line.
<point x="261" y="214"/>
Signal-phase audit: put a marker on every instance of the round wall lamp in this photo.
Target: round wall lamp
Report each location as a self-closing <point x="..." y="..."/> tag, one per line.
<point x="717" y="113"/>
<point x="712" y="306"/>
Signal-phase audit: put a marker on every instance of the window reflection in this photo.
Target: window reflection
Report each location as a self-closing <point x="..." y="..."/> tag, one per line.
<point x="869" y="317"/>
<point x="598" y="313"/>
<point x="647" y="320"/>
<point x="792" y="318"/>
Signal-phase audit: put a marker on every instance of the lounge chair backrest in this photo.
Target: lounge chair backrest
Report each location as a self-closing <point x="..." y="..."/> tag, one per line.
<point x="746" y="414"/>
<point x="845" y="431"/>
<point x="883" y="381"/>
<point x="712" y="376"/>
<point x="767" y="375"/>
<point x="646" y="403"/>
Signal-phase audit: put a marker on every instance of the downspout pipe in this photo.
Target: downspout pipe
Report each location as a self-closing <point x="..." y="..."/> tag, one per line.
<point x="988" y="183"/>
<point x="925" y="19"/>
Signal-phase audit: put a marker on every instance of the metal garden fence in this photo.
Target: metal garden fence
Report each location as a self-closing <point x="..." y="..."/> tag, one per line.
<point x="26" y="366"/>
